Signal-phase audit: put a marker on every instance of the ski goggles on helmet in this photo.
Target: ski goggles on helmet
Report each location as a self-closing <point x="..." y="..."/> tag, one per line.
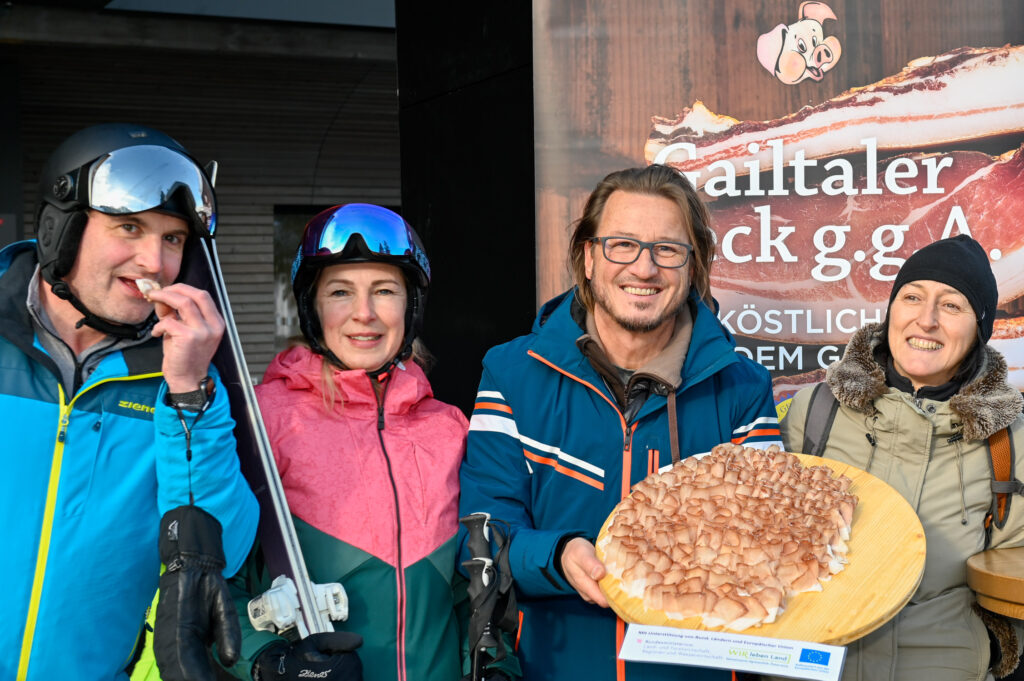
<point x="145" y="177"/>
<point x="383" y="234"/>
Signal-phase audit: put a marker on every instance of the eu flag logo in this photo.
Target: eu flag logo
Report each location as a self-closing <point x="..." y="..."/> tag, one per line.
<point x="812" y="656"/>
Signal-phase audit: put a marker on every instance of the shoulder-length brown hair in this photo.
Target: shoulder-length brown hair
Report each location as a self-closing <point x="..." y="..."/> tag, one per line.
<point x="655" y="180"/>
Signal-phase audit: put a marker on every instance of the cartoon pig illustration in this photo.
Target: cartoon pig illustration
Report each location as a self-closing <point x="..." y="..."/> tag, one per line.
<point x="801" y="50"/>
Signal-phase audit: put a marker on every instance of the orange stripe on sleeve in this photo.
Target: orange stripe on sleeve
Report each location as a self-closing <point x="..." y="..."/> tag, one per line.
<point x="493" y="405"/>
<point x="596" y="484"/>
<point x="763" y="431"/>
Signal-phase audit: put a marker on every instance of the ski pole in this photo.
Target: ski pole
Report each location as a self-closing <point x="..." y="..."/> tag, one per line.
<point x="480" y="568"/>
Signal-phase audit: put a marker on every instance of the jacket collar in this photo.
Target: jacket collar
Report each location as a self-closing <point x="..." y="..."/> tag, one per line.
<point x="708" y="351"/>
<point x="299" y="368"/>
<point x="17" y="264"/>
<point x="985" y="403"/>
<point x="666" y="368"/>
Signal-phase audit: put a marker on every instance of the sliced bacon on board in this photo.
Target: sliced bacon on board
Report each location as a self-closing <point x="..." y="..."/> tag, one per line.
<point x="730" y="536"/>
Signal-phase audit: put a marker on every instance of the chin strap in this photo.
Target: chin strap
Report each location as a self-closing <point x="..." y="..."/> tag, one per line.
<point x="130" y="331"/>
<point x="381" y="374"/>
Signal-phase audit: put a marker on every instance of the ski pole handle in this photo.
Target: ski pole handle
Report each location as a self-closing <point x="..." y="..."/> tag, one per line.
<point x="479" y="541"/>
<point x="480" y="575"/>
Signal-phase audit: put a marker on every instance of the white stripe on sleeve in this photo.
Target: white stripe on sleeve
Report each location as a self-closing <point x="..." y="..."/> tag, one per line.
<point x="763" y="421"/>
<point x="495" y="423"/>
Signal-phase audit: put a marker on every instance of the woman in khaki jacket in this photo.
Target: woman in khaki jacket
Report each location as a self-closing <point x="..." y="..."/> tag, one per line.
<point x="918" y="397"/>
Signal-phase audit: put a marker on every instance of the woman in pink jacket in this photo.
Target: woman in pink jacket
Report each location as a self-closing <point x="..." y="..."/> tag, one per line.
<point x="368" y="458"/>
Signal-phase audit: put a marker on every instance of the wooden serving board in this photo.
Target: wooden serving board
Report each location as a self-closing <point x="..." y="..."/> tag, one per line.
<point x="997" y="576"/>
<point x="886" y="562"/>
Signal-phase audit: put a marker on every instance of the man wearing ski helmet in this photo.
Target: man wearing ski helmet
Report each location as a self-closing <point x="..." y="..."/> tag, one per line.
<point x="119" y="435"/>
<point x="368" y="460"/>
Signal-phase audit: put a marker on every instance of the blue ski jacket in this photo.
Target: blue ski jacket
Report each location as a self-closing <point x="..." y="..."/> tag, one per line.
<point x="551" y="453"/>
<point x="87" y="477"/>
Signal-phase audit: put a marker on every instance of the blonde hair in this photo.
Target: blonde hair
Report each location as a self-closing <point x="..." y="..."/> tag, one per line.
<point x="329" y="389"/>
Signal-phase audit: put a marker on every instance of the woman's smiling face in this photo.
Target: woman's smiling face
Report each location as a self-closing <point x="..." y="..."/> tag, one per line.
<point x="361" y="307"/>
<point x="932" y="328"/>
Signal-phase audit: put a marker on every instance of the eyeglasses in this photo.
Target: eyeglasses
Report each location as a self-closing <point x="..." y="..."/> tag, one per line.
<point x="622" y="250"/>
<point x="140" y="178"/>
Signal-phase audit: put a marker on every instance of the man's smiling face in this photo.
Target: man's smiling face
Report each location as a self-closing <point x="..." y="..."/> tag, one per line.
<point x="640" y="297"/>
<point x="115" y="251"/>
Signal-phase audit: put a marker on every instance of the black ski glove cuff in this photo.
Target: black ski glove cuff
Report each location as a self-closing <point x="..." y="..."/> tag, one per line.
<point x="191" y="537"/>
<point x="195" y="608"/>
<point x="489" y="675"/>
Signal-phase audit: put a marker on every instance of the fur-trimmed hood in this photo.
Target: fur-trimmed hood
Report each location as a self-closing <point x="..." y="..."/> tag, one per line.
<point x="986" y="404"/>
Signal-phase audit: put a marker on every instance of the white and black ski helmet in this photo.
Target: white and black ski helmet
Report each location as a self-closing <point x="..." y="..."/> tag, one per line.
<point x="117" y="169"/>
<point x="359" y="232"/>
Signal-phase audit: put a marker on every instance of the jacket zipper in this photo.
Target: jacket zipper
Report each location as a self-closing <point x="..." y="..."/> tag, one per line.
<point x="49" y="511"/>
<point x="399" y="570"/>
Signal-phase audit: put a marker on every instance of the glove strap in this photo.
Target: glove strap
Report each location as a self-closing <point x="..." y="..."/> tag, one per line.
<point x="208" y="388"/>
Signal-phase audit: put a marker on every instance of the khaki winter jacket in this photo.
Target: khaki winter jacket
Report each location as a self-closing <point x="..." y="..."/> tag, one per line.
<point x="937" y="636"/>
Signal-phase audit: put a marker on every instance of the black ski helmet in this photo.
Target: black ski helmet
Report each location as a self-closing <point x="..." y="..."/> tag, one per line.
<point x="117" y="169"/>
<point x="359" y="232"/>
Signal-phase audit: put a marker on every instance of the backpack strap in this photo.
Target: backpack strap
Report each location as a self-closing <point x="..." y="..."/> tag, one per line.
<point x="1004" y="485"/>
<point x="820" y="415"/>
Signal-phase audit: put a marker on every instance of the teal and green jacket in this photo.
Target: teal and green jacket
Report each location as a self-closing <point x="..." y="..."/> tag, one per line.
<point x="374" y="495"/>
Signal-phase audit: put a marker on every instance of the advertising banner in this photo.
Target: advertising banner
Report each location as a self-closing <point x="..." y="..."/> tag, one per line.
<point x="830" y="139"/>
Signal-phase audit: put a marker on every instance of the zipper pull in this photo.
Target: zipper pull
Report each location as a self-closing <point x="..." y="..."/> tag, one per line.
<point x="384" y="383"/>
<point x="62" y="431"/>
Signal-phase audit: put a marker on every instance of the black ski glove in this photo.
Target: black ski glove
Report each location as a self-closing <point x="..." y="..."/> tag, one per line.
<point x="329" y="656"/>
<point x="195" y="608"/>
<point x="489" y="675"/>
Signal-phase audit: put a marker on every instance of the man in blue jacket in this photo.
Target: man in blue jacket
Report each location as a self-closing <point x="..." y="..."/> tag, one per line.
<point x="118" y="450"/>
<point x="621" y="376"/>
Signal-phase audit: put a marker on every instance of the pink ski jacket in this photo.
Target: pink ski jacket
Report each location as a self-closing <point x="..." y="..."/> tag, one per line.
<point x="374" y="493"/>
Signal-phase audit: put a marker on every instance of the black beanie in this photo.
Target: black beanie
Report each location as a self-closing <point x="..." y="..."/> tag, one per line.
<point x="959" y="262"/>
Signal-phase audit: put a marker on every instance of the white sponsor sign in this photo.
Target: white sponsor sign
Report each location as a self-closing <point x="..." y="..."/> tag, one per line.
<point x="775" y="656"/>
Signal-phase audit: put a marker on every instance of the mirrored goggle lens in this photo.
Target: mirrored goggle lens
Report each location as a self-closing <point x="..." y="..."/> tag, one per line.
<point x="141" y="178"/>
<point x="384" y="232"/>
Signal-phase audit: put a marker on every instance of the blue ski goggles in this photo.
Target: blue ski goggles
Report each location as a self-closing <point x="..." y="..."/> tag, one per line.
<point x="382" y="232"/>
<point x="144" y="177"/>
